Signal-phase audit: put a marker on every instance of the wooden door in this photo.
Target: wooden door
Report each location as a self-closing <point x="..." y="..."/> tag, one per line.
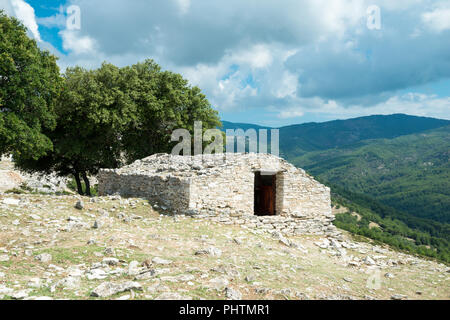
<point x="264" y="202"/>
<point x="268" y="200"/>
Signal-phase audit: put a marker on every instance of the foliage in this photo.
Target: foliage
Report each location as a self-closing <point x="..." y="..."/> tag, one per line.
<point x="111" y="116"/>
<point x="29" y="86"/>
<point x="402" y="231"/>
<point x="410" y="173"/>
<point x="297" y="140"/>
<point x="393" y="170"/>
<point x="163" y="101"/>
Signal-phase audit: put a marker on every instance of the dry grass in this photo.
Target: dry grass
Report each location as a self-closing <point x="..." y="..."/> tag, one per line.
<point x="276" y="271"/>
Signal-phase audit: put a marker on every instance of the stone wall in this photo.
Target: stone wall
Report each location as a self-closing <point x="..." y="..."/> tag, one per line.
<point x="303" y="196"/>
<point x="290" y="226"/>
<point x="231" y="188"/>
<point x="166" y="191"/>
<point x="218" y="184"/>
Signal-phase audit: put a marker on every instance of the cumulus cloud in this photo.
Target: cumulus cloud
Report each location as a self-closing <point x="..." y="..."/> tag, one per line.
<point x="25" y="13"/>
<point x="370" y="66"/>
<point x="184" y="5"/>
<point x="251" y="77"/>
<point x="439" y="19"/>
<point x="428" y="105"/>
<point x="57" y="20"/>
<point x="290" y="113"/>
<point x="410" y="103"/>
<point x="5" y="5"/>
<point x="76" y="43"/>
<point x="286" y="59"/>
<point x="207" y="30"/>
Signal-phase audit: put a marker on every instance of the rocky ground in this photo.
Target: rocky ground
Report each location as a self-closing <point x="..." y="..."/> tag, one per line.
<point x="13" y="179"/>
<point x="55" y="247"/>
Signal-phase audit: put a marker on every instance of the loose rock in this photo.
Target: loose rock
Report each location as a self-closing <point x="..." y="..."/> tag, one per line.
<point x="398" y="297"/>
<point x="233" y="294"/>
<point x="157" y="260"/>
<point x="107" y="289"/>
<point x="79" y="205"/>
<point x="44" y="257"/>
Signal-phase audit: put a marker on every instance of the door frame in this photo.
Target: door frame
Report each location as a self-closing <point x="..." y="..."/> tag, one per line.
<point x="257" y="193"/>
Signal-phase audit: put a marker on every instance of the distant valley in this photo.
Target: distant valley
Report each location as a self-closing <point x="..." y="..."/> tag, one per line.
<point x="394" y="167"/>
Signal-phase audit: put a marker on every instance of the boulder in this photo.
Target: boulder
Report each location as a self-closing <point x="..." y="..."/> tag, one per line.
<point x="107" y="289"/>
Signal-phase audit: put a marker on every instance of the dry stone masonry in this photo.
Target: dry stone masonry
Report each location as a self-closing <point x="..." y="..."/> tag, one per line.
<point x="257" y="190"/>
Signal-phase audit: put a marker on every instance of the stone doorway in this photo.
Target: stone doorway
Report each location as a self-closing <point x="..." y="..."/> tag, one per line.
<point x="264" y="195"/>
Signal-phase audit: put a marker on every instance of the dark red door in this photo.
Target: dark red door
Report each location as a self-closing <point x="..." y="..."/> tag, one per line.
<point x="265" y="194"/>
<point x="268" y="200"/>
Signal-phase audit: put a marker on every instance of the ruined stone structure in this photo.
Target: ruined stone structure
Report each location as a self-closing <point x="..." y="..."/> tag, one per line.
<point x="251" y="188"/>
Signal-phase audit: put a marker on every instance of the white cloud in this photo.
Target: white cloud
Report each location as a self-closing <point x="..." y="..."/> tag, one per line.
<point x="437" y="20"/>
<point x="296" y="56"/>
<point x="419" y="104"/>
<point x="258" y="56"/>
<point x="416" y="103"/>
<point x="288" y="85"/>
<point x="77" y="43"/>
<point x="245" y="78"/>
<point x="58" y="20"/>
<point x="184" y="6"/>
<point x="337" y="16"/>
<point x="5" y="5"/>
<point x="291" y="113"/>
<point x="25" y="13"/>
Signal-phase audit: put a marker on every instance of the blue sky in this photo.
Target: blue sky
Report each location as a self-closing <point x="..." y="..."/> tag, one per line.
<point x="267" y="62"/>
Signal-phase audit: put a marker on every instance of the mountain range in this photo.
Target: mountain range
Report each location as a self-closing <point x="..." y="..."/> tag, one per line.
<point x="387" y="166"/>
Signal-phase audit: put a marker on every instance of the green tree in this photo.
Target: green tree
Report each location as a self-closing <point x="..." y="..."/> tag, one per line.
<point x="92" y="111"/>
<point x="111" y="116"/>
<point x="164" y="102"/>
<point x="29" y="85"/>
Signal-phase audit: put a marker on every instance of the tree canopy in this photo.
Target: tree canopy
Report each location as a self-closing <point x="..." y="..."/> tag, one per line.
<point x="112" y="116"/>
<point x="164" y="102"/>
<point x="30" y="83"/>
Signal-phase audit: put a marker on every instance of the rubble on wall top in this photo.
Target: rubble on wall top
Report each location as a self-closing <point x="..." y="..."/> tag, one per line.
<point x="186" y="166"/>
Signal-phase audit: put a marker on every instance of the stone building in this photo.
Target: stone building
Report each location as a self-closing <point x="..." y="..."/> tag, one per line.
<point x="237" y="185"/>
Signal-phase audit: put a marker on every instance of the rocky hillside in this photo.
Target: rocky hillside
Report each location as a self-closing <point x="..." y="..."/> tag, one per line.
<point x="11" y="179"/>
<point x="410" y="173"/>
<point x="57" y="247"/>
<point x="393" y="169"/>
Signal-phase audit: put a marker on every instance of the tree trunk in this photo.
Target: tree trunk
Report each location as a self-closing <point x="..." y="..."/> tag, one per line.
<point x="78" y="181"/>
<point x="87" y="184"/>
